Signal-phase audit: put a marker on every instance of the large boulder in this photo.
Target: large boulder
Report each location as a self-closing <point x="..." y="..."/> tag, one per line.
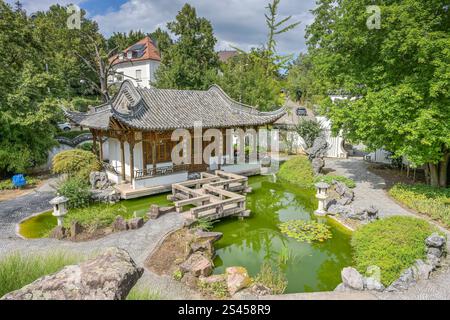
<point x="108" y="195"/>
<point x="120" y="224"/>
<point x="373" y="284"/>
<point x="75" y="229"/>
<point x="317" y="165"/>
<point x="406" y="280"/>
<point x="198" y="265"/>
<point x="59" y="232"/>
<point x="110" y="276"/>
<point x="237" y="279"/>
<point x="135" y="223"/>
<point x="352" y="279"/>
<point x="435" y="241"/>
<point x="99" y="180"/>
<point x="319" y="149"/>
<point x="346" y="195"/>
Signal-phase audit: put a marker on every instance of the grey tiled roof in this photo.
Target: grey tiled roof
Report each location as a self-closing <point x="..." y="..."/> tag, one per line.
<point x="166" y="109"/>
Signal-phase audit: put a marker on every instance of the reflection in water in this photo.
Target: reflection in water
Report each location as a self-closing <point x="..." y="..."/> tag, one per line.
<point x="248" y="243"/>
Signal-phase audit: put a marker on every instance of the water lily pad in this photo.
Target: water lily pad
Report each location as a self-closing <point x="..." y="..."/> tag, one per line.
<point x="306" y="231"/>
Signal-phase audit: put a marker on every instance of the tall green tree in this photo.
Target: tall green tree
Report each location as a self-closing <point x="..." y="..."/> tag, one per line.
<point x="28" y="104"/>
<point x="121" y="40"/>
<point x="399" y="72"/>
<point x="245" y="79"/>
<point x="191" y="62"/>
<point x="162" y="40"/>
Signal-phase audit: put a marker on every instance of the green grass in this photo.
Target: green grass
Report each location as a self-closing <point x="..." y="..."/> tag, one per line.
<point x="434" y="202"/>
<point x="329" y="179"/>
<point x="393" y="244"/>
<point x="143" y="294"/>
<point x="298" y="171"/>
<point x="17" y="270"/>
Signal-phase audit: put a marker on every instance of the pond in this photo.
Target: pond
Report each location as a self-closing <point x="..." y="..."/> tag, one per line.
<point x="250" y="242"/>
<point x="255" y="240"/>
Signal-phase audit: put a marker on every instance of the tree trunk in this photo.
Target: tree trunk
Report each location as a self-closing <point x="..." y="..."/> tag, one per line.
<point x="443" y="169"/>
<point x="434" y="174"/>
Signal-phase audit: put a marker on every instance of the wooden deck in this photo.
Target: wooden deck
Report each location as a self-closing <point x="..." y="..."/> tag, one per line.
<point x="127" y="192"/>
<point x="212" y="197"/>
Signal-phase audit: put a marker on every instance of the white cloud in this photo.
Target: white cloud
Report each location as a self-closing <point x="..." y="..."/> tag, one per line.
<point x="236" y="22"/>
<point x="39" y="5"/>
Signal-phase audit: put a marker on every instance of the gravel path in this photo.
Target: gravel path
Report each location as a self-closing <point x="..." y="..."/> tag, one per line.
<point x="370" y="188"/>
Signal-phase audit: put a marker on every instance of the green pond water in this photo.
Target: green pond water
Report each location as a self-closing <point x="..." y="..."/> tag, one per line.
<point x="257" y="239"/>
<point x="250" y="242"/>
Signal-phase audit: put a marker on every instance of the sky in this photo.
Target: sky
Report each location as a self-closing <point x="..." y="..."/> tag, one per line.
<point x="238" y="23"/>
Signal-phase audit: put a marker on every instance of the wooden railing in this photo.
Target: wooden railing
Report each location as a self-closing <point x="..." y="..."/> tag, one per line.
<point x="159" y="171"/>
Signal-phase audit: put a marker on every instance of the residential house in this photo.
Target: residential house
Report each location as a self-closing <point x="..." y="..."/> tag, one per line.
<point x="138" y="63"/>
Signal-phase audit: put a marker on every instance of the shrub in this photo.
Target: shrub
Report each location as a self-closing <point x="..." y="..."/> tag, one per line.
<point x="272" y="278"/>
<point x="71" y="134"/>
<point x="17" y="270"/>
<point x="203" y="224"/>
<point x="76" y="189"/>
<point x="76" y="162"/>
<point x="393" y="244"/>
<point x="88" y="146"/>
<point x="95" y="217"/>
<point x="177" y="275"/>
<point x="329" y="179"/>
<point x="81" y="103"/>
<point x="297" y="170"/>
<point x="309" y="130"/>
<point x="432" y="201"/>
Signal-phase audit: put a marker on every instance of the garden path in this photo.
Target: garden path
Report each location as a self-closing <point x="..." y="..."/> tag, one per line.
<point x="370" y="189"/>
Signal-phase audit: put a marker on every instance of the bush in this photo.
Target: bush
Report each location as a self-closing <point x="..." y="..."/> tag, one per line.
<point x="18" y="270"/>
<point x="82" y="103"/>
<point x="76" y="162"/>
<point x="309" y="130"/>
<point x="95" y="217"/>
<point x="218" y="290"/>
<point x="272" y="278"/>
<point x="87" y="146"/>
<point x="434" y="202"/>
<point x="297" y="170"/>
<point x="329" y="179"/>
<point x="71" y="134"/>
<point x="393" y="244"/>
<point x="77" y="190"/>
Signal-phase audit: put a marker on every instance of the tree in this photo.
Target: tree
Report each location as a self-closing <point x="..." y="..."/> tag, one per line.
<point x="300" y="81"/>
<point x="121" y="40"/>
<point x="162" y="40"/>
<point x="244" y="78"/>
<point x="191" y="62"/>
<point x="398" y="73"/>
<point x="28" y="104"/>
<point x="309" y="130"/>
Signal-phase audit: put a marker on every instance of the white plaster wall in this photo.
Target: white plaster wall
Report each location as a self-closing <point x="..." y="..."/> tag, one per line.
<point x="235" y="168"/>
<point x="336" y="144"/>
<point x="114" y="153"/>
<point x="148" y="70"/>
<point x="160" y="181"/>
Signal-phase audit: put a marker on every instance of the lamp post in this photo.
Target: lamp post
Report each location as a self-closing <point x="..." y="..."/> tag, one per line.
<point x="59" y="208"/>
<point x="322" y="196"/>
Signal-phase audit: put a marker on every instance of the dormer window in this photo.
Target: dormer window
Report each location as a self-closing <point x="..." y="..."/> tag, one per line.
<point x="130" y="54"/>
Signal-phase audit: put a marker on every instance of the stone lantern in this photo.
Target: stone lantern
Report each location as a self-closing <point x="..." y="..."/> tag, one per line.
<point x="322" y="195"/>
<point x="59" y="208"/>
